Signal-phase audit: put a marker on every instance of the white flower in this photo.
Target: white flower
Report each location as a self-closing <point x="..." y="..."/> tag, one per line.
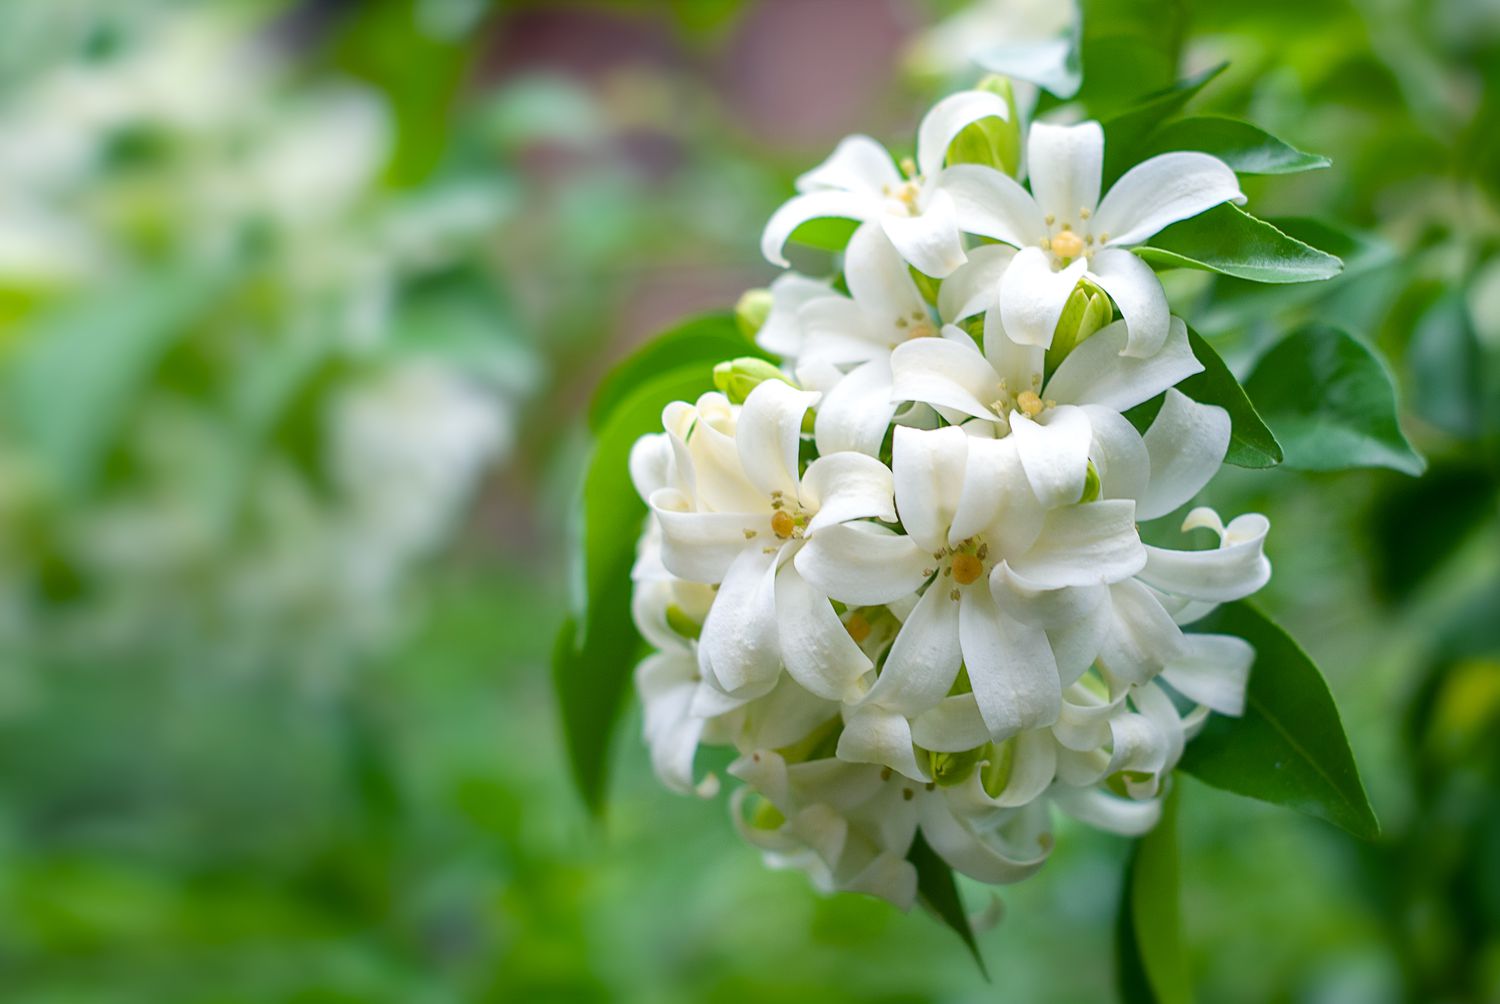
<point x="860" y="181"/>
<point x="1065" y="232"/>
<point x="741" y="518"/>
<point x="1025" y="39"/>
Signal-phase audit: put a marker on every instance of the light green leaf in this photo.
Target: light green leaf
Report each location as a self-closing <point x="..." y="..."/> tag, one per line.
<point x="938" y="892"/>
<point x="596" y="646"/>
<point x="1246" y="148"/>
<point x="1151" y="956"/>
<point x="1332" y="403"/>
<point x="1230" y="241"/>
<point x="1289" y="747"/>
<point x="710" y="339"/>
<point x="827" y="233"/>
<point x="1251" y="444"/>
<point x="1126" y="133"/>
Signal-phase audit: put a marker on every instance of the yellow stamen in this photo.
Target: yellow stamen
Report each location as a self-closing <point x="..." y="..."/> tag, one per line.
<point x="1030" y="403"/>
<point x="782" y="524"/>
<point x="966" y="568"/>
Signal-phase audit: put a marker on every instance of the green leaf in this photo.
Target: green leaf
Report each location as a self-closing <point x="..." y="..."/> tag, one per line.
<point x="1332" y="403"/>
<point x="1246" y="148"/>
<point x="1288" y="747"/>
<point x="1149" y="939"/>
<point x="710" y="339"/>
<point x="1128" y="48"/>
<point x="1230" y="241"/>
<point x="1251" y="444"/>
<point x="938" y="892"/>
<point x="1126" y="133"/>
<point x="827" y="233"/>
<point x="595" y="648"/>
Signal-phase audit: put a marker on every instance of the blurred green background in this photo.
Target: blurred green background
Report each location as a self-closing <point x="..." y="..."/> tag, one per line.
<point x="300" y="307"/>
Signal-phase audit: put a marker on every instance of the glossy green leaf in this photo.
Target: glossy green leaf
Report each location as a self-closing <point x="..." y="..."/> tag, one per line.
<point x="1126" y="134"/>
<point x="595" y="649"/>
<point x="1149" y="947"/>
<point x="1251" y="444"/>
<point x="710" y="339"/>
<point x="1289" y="747"/>
<point x="938" y="892"/>
<point x="1332" y="403"/>
<point x="1230" y="241"/>
<point x="1128" y="48"/>
<point x="1246" y="148"/>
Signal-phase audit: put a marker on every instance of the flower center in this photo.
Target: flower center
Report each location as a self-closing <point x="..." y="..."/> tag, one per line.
<point x="1028" y="402"/>
<point x="966" y="568"/>
<point x="1068" y="242"/>
<point x="782" y="524"/>
<point x="916" y="325"/>
<point x="965" y="564"/>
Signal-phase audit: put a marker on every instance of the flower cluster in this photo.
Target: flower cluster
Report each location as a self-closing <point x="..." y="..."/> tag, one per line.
<point x="902" y="575"/>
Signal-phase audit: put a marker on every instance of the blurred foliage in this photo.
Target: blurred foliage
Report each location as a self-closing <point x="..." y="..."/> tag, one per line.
<point x="274" y="711"/>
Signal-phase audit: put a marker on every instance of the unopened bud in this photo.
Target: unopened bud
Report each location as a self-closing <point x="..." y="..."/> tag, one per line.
<point x="736" y="378"/>
<point x="1091" y="486"/>
<point x="949" y="769"/>
<point x="996" y="773"/>
<point x="991" y="141"/>
<point x="1088" y="309"/>
<point x="752" y="310"/>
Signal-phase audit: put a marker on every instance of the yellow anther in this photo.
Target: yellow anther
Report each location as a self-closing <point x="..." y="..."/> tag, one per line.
<point x="858" y="627"/>
<point x="749" y="534"/>
<point x="966" y="568"/>
<point x="908" y="167"/>
<point x="1030" y="403"/>
<point x="782" y="524"/>
<point x="1067" y="244"/>
<point x="1084" y="212"/>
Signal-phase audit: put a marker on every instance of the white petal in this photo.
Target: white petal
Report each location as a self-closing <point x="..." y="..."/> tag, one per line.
<point x="784" y="716"/>
<point x="651" y="464"/>
<point x="856" y="412"/>
<point x="857" y="164"/>
<point x="1054" y="452"/>
<point x="1107" y="812"/>
<point x="890" y="877"/>
<point x="711" y="454"/>
<point x="1137" y="292"/>
<point x="1186" y="444"/>
<point x="923" y="662"/>
<point x="930" y="240"/>
<point x="666" y="682"/>
<point x="946" y="374"/>
<point x="975" y="285"/>
<point x="1143" y="637"/>
<point x="1032" y="295"/>
<point x="1213" y="670"/>
<point x="878" y="278"/>
<point x="768" y="434"/>
<point x="875" y="735"/>
<point x="947" y="119"/>
<point x="837" y="330"/>
<point x="845" y="486"/>
<point x="993" y="204"/>
<point x="1020" y="366"/>
<point x="782" y="331"/>
<point x="1084" y="545"/>
<point x="1076" y="618"/>
<point x="1235" y="570"/>
<point x="1163" y="190"/>
<point x="813" y="206"/>
<point x="1119" y="455"/>
<point x="817" y="650"/>
<point x="928" y="465"/>
<point x="1010" y="664"/>
<point x="861" y="564"/>
<point x="700" y="546"/>
<point x="1083" y="723"/>
<point x="1096" y="373"/>
<point x="738" y="645"/>
<point x="997" y="499"/>
<point x="985" y="858"/>
<point x="953" y="725"/>
<point x="1065" y="163"/>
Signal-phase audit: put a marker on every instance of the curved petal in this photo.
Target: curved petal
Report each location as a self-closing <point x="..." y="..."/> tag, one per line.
<point x="862" y="565"/>
<point x="930" y="240"/>
<point x="1076" y="618"/>
<point x="1235" y="570"/>
<point x="1142" y="638"/>
<point x="1084" y="545"/>
<point x="700" y="546"/>
<point x="991" y="203"/>
<point x="1118" y="453"/>
<point x="928" y="465"/>
<point x="1020" y="367"/>
<point x="1011" y="666"/>
<point x="1213" y="669"/>
<point x="1186" y="444"/>
<point x="1032" y="295"/>
<point x="845" y="486"/>
<point x="666" y="682"/>
<point x="1096" y="373"/>
<point x="1065" y="163"/>
<point x="975" y="285"/>
<point x="953" y="725"/>
<point x="947" y="119"/>
<point x="876" y="735"/>
<point x="879" y="280"/>
<point x="1054" y="452"/>
<point x="923" y="662"/>
<point x="1100" y="809"/>
<point x="1033" y="764"/>
<point x="817" y="650"/>
<point x="946" y="374"/>
<point x="1167" y="188"/>
<point x="813" y="206"/>
<point x="768" y="434"/>
<point x="704" y="443"/>
<point x="858" y="164"/>
<point x="889" y="877"/>
<point x="836" y="330"/>
<point x="782" y="331"/>
<point x="996" y="500"/>
<point x="1137" y="292"/>
<point x="856" y="412"/>
<point x="651" y="464"/>
<point x="738" y="646"/>
<point x="980" y="857"/>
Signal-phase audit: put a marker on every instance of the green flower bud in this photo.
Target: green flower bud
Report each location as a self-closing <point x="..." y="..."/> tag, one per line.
<point x="996" y="775"/>
<point x="1088" y="309"/>
<point x="949" y="769"/>
<point x="752" y="310"/>
<point x="1091" y="487"/>
<point x="991" y="141"/>
<point x="736" y="378"/>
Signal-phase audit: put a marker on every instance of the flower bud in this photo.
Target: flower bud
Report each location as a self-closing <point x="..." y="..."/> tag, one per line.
<point x="736" y="378"/>
<point x="949" y="769"/>
<point x="1088" y="309"/>
<point x="752" y="310"/>
<point x="991" y="141"/>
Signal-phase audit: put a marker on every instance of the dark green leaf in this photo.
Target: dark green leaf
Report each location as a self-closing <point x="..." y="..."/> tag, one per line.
<point x="938" y="892"/>
<point x="1421" y="523"/>
<point x="1289" y="746"/>
<point x="1128" y="48"/>
<point x="1149" y="939"/>
<point x="1447" y="367"/>
<point x="1332" y="403"/>
<point x="593" y="657"/>
<point x="1230" y="241"/>
<point x="1246" y="148"/>
<point x="1250" y="442"/>
<point x="1126" y="134"/>
<point x="709" y="339"/>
